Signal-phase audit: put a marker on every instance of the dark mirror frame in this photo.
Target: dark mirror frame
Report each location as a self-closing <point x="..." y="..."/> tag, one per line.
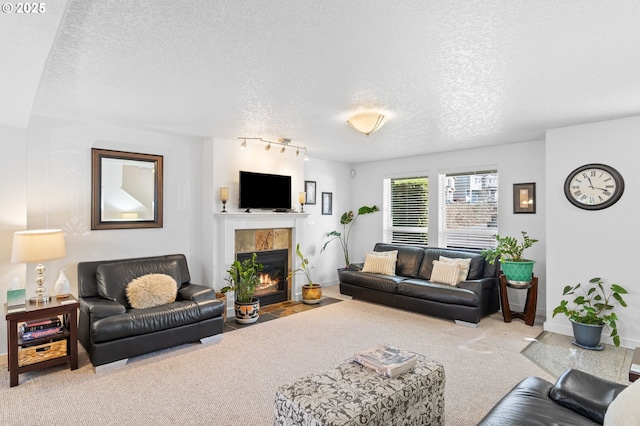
<point x="97" y="155"/>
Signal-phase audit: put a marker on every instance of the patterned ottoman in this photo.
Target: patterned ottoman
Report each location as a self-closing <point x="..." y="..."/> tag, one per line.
<point x="352" y="394"/>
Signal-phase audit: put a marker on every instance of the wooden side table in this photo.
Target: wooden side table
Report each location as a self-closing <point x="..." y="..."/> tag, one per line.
<point x="529" y="314"/>
<point x="68" y="308"/>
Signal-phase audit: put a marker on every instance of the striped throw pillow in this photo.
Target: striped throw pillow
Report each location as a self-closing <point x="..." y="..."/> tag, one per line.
<point x="464" y="266"/>
<point x="378" y="263"/>
<point x="445" y="273"/>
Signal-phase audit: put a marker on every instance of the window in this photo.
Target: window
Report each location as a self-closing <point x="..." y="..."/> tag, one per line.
<point x="468" y="209"/>
<point x="406" y="210"/>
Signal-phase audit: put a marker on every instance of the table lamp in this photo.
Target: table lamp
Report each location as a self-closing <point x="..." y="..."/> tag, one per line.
<point x="38" y="246"/>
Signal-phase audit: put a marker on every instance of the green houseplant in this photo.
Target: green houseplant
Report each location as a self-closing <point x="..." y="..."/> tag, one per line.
<point x="243" y="278"/>
<point x="517" y="269"/>
<point x="593" y="308"/>
<point x="311" y="292"/>
<point x="347" y="220"/>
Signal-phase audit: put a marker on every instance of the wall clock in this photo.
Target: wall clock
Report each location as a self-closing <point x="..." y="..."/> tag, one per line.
<point x="594" y="186"/>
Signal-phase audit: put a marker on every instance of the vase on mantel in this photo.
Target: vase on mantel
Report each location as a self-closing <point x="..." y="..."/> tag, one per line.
<point x="62" y="286"/>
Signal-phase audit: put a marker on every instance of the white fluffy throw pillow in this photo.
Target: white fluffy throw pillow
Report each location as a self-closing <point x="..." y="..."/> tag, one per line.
<point x="380" y="263"/>
<point x="151" y="290"/>
<point x="445" y="273"/>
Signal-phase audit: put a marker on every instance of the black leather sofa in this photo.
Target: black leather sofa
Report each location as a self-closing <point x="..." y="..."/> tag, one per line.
<point x="110" y="330"/>
<point x="411" y="289"/>
<point x="577" y="398"/>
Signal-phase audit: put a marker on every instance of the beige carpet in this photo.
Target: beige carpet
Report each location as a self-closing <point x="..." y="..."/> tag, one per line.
<point x="234" y="382"/>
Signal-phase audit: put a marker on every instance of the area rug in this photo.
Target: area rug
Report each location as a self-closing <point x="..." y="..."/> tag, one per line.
<point x="555" y="353"/>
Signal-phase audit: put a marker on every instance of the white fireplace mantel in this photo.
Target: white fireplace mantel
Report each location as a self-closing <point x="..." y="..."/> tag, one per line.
<point x="228" y="223"/>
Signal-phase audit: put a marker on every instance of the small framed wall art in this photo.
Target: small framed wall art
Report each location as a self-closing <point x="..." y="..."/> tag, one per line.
<point x="327" y="203"/>
<point x="310" y="189"/>
<point x="524" y="197"/>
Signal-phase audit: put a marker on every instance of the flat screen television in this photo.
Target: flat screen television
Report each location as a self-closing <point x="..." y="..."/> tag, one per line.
<point x="264" y="191"/>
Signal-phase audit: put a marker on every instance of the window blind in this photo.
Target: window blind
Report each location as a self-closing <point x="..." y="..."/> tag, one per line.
<point x="407" y="203"/>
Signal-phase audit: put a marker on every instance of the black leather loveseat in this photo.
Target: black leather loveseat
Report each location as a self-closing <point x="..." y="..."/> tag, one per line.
<point x="410" y="288"/>
<point x="111" y="330"/>
<point x="577" y="398"/>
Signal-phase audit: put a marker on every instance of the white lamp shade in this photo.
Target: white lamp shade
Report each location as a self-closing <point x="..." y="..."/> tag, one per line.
<point x="38" y="246"/>
<point x="366" y="122"/>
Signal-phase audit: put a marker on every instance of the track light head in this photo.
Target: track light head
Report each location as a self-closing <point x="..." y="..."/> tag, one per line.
<point x="268" y="147"/>
<point x="243" y="145"/>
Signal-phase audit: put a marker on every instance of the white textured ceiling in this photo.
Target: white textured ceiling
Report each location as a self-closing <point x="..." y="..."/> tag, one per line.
<point x="451" y="74"/>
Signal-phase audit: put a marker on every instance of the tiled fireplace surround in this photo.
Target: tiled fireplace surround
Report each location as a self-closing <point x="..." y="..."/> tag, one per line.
<point x="248" y="232"/>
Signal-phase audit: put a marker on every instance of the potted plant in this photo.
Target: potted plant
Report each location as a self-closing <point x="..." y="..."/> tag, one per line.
<point x="243" y="278"/>
<point x="593" y="310"/>
<point x="516" y="268"/>
<point x="347" y="221"/>
<point x="311" y="292"/>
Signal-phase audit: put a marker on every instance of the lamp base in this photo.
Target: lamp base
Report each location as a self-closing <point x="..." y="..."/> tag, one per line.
<point x="40" y="299"/>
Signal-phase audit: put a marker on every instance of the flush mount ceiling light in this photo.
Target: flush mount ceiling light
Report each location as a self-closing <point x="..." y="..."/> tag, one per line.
<point x="366" y="122"/>
<point x="283" y="143"/>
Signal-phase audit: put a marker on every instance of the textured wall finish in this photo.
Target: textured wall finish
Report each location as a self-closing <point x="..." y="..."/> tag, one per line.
<point x="451" y="75"/>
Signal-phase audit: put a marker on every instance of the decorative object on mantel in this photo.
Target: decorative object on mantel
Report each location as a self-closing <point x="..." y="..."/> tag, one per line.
<point x="38" y="246"/>
<point x="593" y="310"/>
<point x="302" y="197"/>
<point x="347" y="220"/>
<point x="311" y="292"/>
<point x="243" y="278"/>
<point x="224" y="197"/>
<point x="518" y="270"/>
<point x="283" y="143"/>
<point x="366" y="122"/>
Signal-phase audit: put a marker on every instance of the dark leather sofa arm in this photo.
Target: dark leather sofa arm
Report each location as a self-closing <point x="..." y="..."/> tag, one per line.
<point x="195" y="292"/>
<point x="356" y="267"/>
<point x="585" y="394"/>
<point x="97" y="307"/>
<point x="477" y="285"/>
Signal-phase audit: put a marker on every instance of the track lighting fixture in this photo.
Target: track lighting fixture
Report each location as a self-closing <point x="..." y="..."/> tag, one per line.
<point x="283" y="143"/>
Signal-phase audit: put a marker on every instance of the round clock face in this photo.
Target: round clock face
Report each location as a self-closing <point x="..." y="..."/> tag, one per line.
<point x="594" y="186"/>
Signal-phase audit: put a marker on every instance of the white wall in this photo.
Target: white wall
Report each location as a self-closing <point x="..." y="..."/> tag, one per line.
<point x="13" y="215"/>
<point x="516" y="163"/>
<point x="331" y="177"/>
<point x="585" y="244"/>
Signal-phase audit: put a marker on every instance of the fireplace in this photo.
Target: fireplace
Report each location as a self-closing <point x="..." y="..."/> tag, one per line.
<point x="273" y="286"/>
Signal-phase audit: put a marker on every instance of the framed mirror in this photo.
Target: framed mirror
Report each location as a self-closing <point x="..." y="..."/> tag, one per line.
<point x="126" y="190"/>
